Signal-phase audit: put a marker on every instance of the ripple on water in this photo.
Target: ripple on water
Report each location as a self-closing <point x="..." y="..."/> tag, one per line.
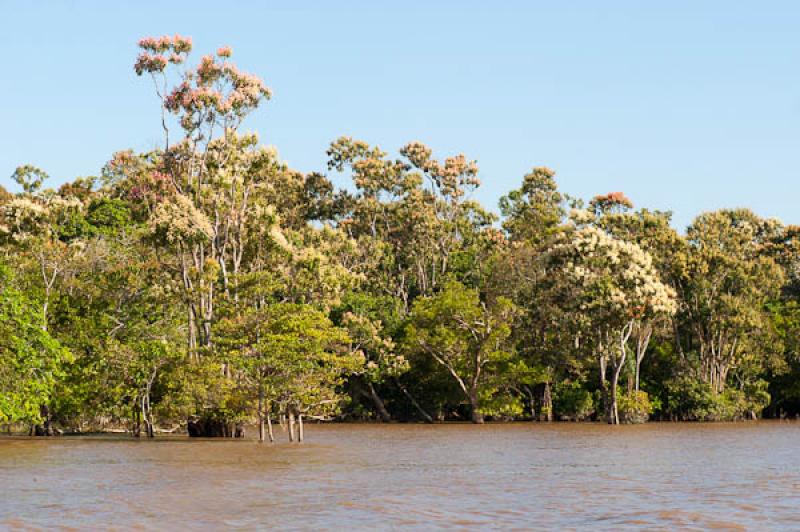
<point x="661" y="476"/>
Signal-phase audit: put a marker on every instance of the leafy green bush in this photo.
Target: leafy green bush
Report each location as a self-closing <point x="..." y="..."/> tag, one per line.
<point x="634" y="407"/>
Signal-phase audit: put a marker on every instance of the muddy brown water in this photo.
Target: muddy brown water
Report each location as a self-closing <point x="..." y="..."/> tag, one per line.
<point x="364" y="477"/>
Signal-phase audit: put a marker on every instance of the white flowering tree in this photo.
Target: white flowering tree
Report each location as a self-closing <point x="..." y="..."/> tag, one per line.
<point x="612" y="287"/>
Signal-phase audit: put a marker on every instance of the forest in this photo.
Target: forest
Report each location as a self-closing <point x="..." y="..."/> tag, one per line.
<point x="205" y="287"/>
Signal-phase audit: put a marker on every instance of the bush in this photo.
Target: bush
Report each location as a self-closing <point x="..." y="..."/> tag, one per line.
<point x="691" y="400"/>
<point x="572" y="402"/>
<point x="634" y="407"/>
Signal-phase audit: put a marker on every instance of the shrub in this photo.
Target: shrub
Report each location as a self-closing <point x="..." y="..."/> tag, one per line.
<point x="634" y="407"/>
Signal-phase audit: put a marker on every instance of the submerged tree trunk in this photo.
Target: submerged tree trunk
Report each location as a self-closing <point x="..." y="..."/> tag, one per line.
<point x="477" y="415"/>
<point x="300" y="434"/>
<point x="261" y="434"/>
<point x="291" y="426"/>
<point x="546" y="411"/>
<point x="269" y="428"/>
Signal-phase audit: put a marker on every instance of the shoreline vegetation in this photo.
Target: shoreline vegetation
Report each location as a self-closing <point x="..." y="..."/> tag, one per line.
<point x="207" y="286"/>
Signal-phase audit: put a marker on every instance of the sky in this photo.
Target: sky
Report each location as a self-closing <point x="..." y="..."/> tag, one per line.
<point x="683" y="105"/>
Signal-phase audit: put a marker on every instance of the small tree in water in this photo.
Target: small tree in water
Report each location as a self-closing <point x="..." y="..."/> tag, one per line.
<point x="287" y="358"/>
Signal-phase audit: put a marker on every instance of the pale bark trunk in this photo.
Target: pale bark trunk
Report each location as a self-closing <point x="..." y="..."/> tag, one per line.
<point x="269" y="428"/>
<point x="300" y="433"/>
<point x="613" y="411"/>
<point x="261" y="413"/>
<point x="546" y="412"/>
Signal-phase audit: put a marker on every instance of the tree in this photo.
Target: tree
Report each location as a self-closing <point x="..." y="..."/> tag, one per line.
<point x="612" y="287"/>
<point x="290" y="356"/>
<point x="534" y="219"/>
<point x="211" y="172"/>
<point x="382" y="362"/>
<point x="729" y="281"/>
<point x="467" y="337"/>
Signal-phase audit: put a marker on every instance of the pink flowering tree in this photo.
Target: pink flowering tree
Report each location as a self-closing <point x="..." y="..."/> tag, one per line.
<point x="212" y="170"/>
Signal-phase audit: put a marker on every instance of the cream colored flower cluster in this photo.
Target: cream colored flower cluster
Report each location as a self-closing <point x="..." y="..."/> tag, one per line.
<point x="622" y="271"/>
<point x="22" y="218"/>
<point x="181" y="221"/>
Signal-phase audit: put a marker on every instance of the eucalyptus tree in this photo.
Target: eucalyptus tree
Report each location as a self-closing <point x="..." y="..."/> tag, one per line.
<point x="651" y="231"/>
<point x="534" y="217"/>
<point x="42" y="227"/>
<point x="729" y="281"/>
<point x="212" y="171"/>
<point x="412" y="214"/>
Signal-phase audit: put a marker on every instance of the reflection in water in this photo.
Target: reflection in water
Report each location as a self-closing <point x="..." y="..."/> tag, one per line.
<point x="665" y="475"/>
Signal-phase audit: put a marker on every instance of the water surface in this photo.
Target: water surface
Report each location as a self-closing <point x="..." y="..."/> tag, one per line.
<point x="660" y="475"/>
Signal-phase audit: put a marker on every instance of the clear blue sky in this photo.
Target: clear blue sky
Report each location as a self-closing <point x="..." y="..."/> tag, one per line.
<point x="687" y="106"/>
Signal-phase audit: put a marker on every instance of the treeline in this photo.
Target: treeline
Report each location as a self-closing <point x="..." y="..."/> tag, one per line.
<point x="207" y="285"/>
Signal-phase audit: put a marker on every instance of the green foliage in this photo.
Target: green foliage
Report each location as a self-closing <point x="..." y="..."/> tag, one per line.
<point x="29" y="177"/>
<point x="469" y="339"/>
<point x="573" y="402"/>
<point x="292" y="353"/>
<point x="31" y="361"/>
<point x="634" y="407"/>
<point x="108" y="215"/>
<point x="692" y="400"/>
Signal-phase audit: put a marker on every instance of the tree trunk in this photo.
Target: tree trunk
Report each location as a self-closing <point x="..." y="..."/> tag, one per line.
<point x="477" y="415"/>
<point x="546" y="412"/>
<point x="46" y="428"/>
<point x="380" y="407"/>
<point x="291" y="426"/>
<point x="427" y="417"/>
<point x="613" y="411"/>
<point x="147" y="416"/>
<point x="137" y="421"/>
<point x="269" y="428"/>
<point x="261" y="434"/>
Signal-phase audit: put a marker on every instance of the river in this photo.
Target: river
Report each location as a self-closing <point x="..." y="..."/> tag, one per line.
<point x="364" y="477"/>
